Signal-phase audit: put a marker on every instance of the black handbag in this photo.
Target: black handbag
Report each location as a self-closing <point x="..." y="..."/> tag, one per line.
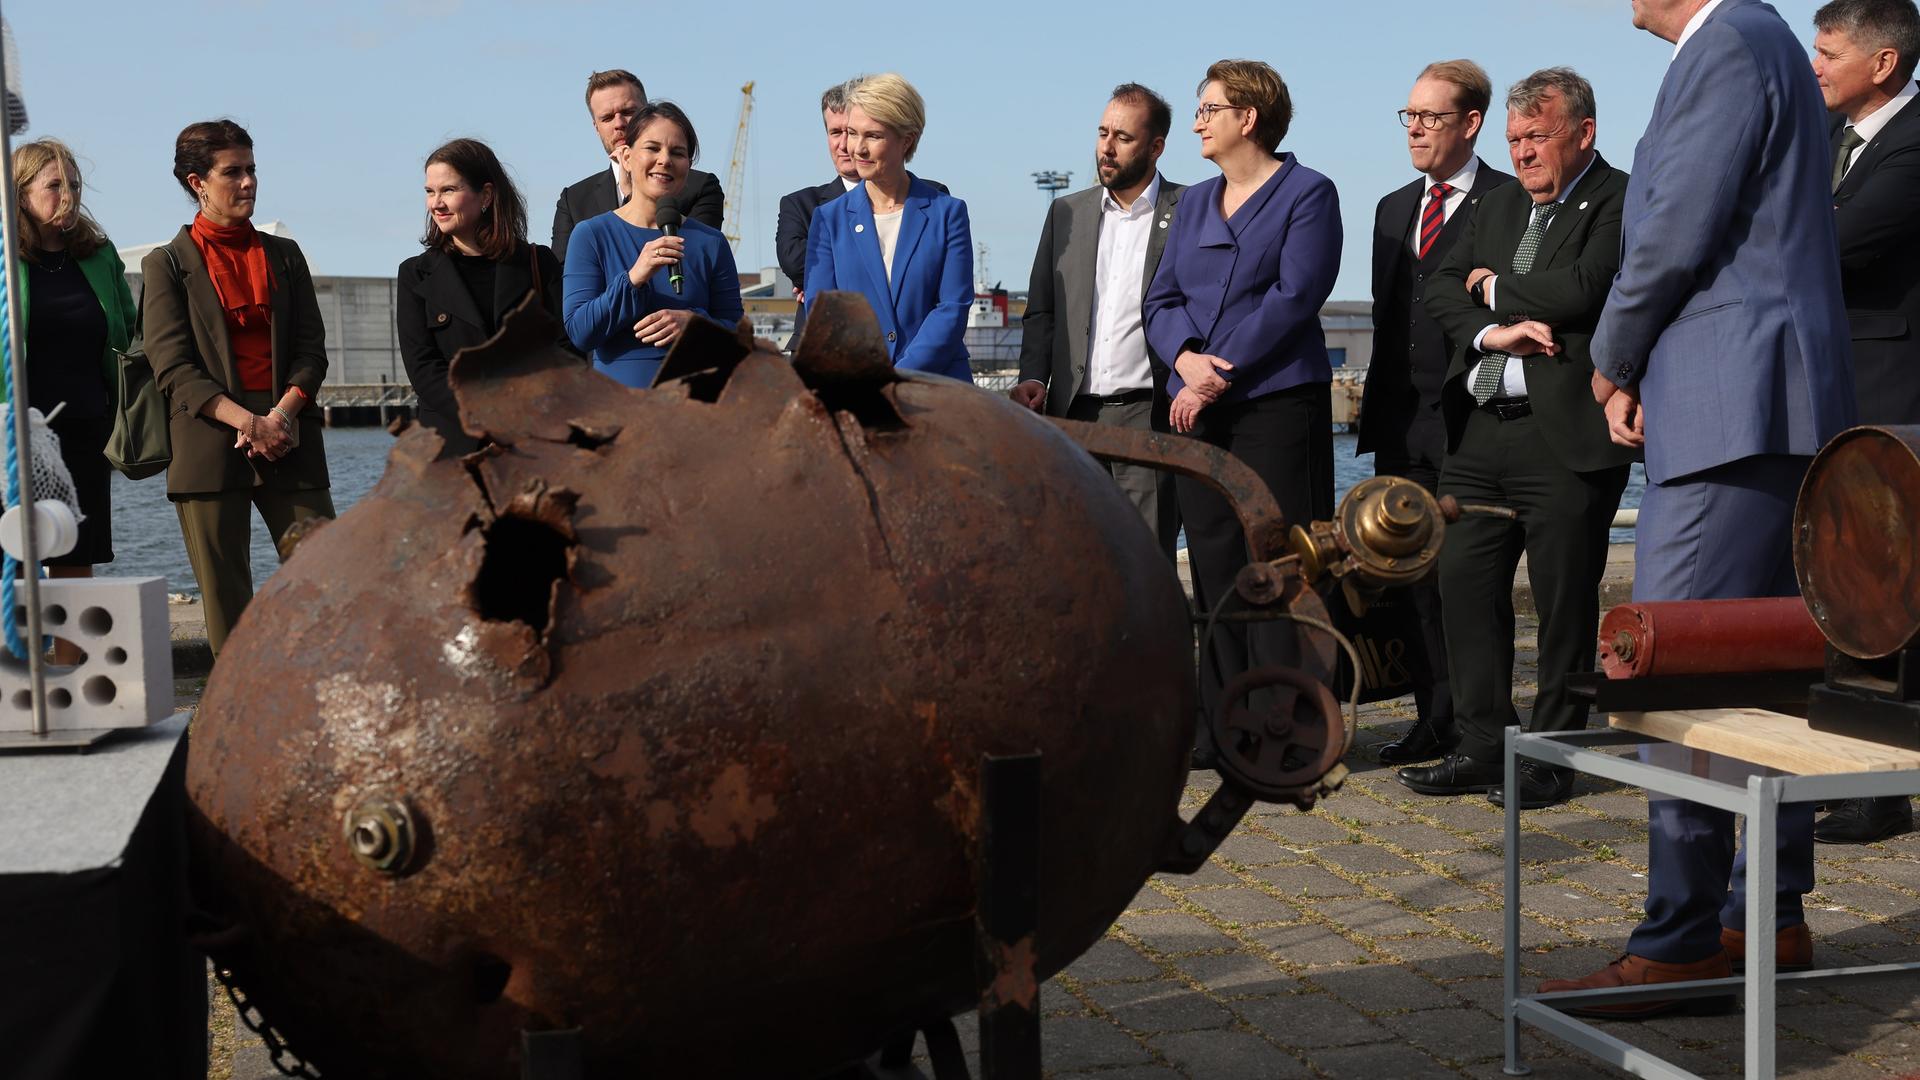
<point x="140" y="446"/>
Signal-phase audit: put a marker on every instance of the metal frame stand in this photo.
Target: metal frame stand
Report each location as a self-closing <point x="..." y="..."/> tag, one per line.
<point x="1760" y="801"/>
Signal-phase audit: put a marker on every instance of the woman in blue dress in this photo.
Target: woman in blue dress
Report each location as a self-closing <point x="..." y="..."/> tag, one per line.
<point x="620" y="302"/>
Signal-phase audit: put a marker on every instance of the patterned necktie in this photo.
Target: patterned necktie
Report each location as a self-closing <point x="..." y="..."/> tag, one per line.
<point x="1434" y="217"/>
<point x="1850" y="140"/>
<point x="1493" y="366"/>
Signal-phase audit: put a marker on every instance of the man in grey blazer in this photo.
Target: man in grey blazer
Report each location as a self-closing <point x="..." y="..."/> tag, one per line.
<point x="1723" y="350"/>
<point x="1084" y="352"/>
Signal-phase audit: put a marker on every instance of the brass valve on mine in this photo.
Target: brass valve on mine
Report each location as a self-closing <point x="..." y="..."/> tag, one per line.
<point x="1386" y="532"/>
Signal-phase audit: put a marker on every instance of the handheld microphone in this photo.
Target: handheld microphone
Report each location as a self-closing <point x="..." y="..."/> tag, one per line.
<point x="668" y="215"/>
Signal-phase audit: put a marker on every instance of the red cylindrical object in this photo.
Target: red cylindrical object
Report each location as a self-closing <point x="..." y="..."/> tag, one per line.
<point x="1710" y="637"/>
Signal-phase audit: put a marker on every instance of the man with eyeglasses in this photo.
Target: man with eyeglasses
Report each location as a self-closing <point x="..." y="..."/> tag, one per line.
<point x="1519" y="297"/>
<point x="1400" y="423"/>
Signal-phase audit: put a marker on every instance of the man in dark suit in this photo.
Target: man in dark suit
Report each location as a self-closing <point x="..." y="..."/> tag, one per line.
<point x="1863" y="55"/>
<point x="1519" y="298"/>
<point x="1400" y="424"/>
<point x="796" y="208"/>
<point x="1083" y="351"/>
<point x="614" y="98"/>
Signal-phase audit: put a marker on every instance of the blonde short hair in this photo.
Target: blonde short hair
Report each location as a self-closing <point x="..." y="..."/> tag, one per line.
<point x="894" y="102"/>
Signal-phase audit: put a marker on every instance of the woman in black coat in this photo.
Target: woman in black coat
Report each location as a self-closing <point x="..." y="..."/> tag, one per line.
<point x="478" y="266"/>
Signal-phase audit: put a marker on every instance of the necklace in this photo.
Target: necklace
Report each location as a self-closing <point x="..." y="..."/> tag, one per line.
<point x="53" y="261"/>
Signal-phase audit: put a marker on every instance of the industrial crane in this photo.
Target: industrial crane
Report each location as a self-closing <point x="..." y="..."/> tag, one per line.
<point x="737" y="171"/>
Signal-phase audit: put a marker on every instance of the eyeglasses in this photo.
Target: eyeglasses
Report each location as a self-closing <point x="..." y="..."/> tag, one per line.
<point x="1428" y="120"/>
<point x="1205" y="112"/>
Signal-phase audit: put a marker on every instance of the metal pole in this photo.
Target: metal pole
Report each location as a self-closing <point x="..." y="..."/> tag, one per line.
<point x="1510" y="953"/>
<point x="1763" y="876"/>
<point x="22" y="430"/>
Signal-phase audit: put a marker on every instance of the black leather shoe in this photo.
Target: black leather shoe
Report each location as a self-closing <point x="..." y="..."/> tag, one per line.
<point x="1420" y="743"/>
<point x="1863" y="821"/>
<point x="1541" y="785"/>
<point x="1457" y="774"/>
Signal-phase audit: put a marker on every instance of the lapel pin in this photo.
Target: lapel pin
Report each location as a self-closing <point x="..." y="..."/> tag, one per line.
<point x="1582" y="206"/>
<point x="859" y="228"/>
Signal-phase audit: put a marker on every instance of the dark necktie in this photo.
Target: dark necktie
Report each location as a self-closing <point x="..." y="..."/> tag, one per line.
<point x="1850" y="140"/>
<point x="1493" y="366"/>
<point x="1434" y="217"/>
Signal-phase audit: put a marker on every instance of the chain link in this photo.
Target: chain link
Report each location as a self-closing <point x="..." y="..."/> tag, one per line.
<point x="284" y="1060"/>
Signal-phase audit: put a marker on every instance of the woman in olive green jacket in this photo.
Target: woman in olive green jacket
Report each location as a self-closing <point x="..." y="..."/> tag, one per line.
<point x="233" y="331"/>
<point x="79" y="316"/>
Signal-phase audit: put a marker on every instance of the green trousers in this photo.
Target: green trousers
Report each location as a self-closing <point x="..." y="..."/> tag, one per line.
<point x="218" y="529"/>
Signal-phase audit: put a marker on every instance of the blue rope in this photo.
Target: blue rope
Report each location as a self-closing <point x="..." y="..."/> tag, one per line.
<point x="16" y="644"/>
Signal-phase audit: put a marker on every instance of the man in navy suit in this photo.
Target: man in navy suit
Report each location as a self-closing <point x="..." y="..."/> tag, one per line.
<point x="796" y="208"/>
<point x="614" y="98"/>
<point x="1414" y="228"/>
<point x="1863" y="54"/>
<point x="1723" y="350"/>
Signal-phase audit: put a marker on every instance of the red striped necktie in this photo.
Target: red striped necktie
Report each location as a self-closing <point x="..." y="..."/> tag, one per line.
<point x="1434" y="216"/>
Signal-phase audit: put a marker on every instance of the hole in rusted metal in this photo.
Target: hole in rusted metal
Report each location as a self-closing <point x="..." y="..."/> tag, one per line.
<point x="589" y="440"/>
<point x="524" y="560"/>
<point x="490" y="975"/>
<point x="865" y="402"/>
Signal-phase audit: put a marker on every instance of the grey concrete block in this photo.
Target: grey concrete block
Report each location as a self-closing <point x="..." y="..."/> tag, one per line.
<point x="1228" y="1055"/>
<point x="1154" y="1007"/>
<point x="1175" y="933"/>
<point x="1237" y="975"/>
<point x="1310" y="1021"/>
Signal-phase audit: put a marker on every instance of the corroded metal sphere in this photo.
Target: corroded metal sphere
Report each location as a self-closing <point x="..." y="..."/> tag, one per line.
<point x="661" y="717"/>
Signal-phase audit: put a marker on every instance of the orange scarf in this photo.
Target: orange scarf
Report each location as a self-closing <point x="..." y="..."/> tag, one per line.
<point x="237" y="264"/>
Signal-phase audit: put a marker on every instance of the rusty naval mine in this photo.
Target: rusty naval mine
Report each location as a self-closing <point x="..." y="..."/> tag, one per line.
<point x="666" y="721"/>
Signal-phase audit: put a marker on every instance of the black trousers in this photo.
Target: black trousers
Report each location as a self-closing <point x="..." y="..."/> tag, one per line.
<point x="1287" y="438"/>
<point x="1432" y="691"/>
<point x="1562" y="528"/>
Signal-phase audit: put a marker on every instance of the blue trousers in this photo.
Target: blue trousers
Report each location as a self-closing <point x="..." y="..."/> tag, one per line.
<point x="1722" y="533"/>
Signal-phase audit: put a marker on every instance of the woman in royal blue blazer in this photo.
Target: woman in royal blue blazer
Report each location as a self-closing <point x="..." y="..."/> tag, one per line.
<point x="1235" y="305"/>
<point x="895" y="238"/>
<point x="619" y="300"/>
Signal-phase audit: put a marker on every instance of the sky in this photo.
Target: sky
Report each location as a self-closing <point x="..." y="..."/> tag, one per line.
<point x="345" y="99"/>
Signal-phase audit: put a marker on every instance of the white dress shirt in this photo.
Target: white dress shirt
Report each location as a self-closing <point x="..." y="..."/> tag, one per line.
<point x="1876" y="121"/>
<point x="1513" y="378"/>
<point x="1117" y="340"/>
<point x="1693" y="25"/>
<point x="849" y="184"/>
<point x="1461" y="182"/>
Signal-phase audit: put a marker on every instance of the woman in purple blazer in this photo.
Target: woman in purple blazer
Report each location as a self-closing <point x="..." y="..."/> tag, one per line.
<point x="1249" y="261"/>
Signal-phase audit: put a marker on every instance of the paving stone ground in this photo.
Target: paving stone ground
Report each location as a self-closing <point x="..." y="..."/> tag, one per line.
<point x="1363" y="940"/>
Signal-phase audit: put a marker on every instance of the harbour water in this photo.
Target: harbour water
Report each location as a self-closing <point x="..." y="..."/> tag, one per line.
<point x="146" y="534"/>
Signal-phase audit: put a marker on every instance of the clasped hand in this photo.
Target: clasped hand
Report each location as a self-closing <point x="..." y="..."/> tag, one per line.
<point x="1204" y="385"/>
<point x="272" y="438"/>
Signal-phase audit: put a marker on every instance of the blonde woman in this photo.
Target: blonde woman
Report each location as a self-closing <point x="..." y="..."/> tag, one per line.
<point x="79" y="314"/>
<point x="900" y="241"/>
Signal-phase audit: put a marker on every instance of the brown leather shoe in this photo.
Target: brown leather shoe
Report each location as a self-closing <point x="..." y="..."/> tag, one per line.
<point x="1631" y="970"/>
<point x="1792" y="948"/>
